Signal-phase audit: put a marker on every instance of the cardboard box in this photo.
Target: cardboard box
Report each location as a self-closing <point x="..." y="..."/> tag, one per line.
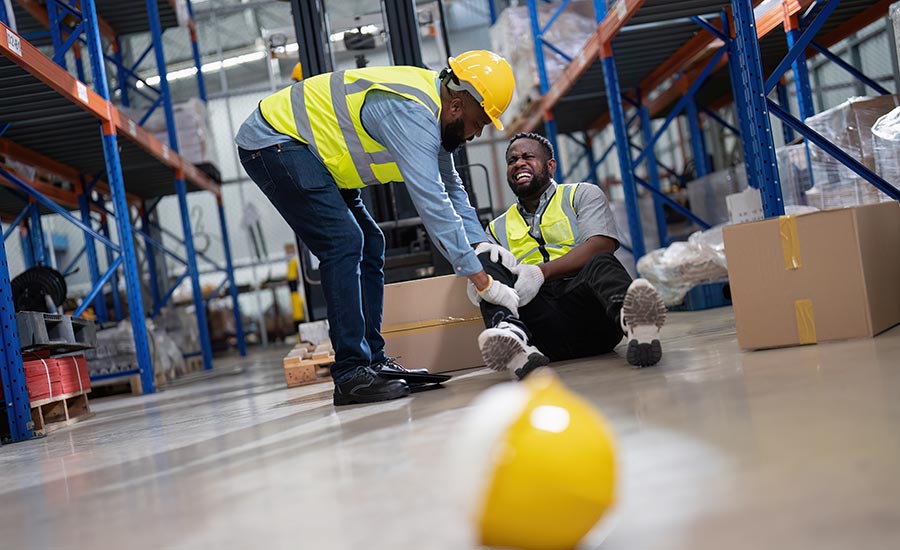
<point x="430" y="324"/>
<point x="438" y="347"/>
<point x="427" y="299"/>
<point x="816" y="277"/>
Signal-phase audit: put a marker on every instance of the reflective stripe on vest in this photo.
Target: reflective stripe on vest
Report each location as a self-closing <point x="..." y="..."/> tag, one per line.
<point x="324" y="112"/>
<point x="558" y="226"/>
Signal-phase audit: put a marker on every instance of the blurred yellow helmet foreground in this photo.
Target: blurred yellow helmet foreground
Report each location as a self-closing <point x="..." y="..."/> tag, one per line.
<point x="551" y="469"/>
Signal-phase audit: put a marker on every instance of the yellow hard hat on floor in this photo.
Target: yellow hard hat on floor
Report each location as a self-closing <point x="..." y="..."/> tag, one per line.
<point x="551" y="470"/>
<point x="490" y="80"/>
<point x="297" y="72"/>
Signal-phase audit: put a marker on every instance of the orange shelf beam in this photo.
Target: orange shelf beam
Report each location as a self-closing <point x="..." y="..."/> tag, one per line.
<point x="55" y="77"/>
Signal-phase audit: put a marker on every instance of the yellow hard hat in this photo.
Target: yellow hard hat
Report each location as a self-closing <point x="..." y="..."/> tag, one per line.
<point x="488" y="77"/>
<point x="546" y="463"/>
<point x="297" y="73"/>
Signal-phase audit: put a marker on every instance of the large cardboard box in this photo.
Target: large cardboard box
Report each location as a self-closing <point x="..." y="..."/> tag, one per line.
<point x="804" y="279"/>
<point x="430" y="323"/>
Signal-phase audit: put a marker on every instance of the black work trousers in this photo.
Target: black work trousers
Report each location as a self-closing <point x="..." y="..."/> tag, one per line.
<point x="569" y="318"/>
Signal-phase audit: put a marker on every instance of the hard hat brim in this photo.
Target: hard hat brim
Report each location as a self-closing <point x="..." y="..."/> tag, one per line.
<point x="497" y="124"/>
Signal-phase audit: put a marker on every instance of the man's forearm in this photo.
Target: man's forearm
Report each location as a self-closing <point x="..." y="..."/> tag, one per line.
<point x="577" y="258"/>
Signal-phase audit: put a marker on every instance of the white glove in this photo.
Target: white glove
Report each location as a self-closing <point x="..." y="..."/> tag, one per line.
<point x="472" y="293"/>
<point x="529" y="281"/>
<point x="501" y="295"/>
<point x="499" y="255"/>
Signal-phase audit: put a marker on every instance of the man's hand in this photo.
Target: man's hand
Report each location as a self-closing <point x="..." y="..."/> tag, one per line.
<point x="496" y="293"/>
<point x="529" y="280"/>
<point x="499" y="255"/>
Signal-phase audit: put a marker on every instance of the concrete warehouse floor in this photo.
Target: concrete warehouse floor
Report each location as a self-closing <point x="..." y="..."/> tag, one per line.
<point x="796" y="448"/>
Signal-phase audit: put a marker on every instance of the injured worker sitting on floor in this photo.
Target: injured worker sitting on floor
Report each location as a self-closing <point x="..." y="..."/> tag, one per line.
<point x="555" y="246"/>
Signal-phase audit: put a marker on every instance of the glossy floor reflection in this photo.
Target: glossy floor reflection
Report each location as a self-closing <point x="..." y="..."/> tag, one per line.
<point x="795" y="448"/>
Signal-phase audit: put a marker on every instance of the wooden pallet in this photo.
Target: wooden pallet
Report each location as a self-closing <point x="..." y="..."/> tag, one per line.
<point x="307" y="364"/>
<point x="60" y="411"/>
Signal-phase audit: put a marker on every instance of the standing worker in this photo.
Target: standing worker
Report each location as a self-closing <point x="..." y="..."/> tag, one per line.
<point x="312" y="146"/>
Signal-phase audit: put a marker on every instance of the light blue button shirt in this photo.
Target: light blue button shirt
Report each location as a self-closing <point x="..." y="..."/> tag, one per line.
<point x="412" y="135"/>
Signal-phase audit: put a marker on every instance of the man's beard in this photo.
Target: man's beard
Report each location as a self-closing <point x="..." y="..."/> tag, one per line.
<point x="539" y="180"/>
<point x="453" y="135"/>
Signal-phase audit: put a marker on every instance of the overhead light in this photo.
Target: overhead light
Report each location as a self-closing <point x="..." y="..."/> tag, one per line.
<point x="208" y="67"/>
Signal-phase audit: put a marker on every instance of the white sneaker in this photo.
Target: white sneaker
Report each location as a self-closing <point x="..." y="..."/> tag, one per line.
<point x="505" y="347"/>
<point x="643" y="314"/>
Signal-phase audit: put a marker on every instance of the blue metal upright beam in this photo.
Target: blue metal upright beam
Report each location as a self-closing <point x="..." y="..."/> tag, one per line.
<point x="617" y="116"/>
<point x="56" y="37"/>
<point x="180" y="186"/>
<point x="121" y="75"/>
<point x="114" y="278"/>
<point x="787" y="131"/>
<point x="229" y="266"/>
<point x="36" y="234"/>
<point x="698" y="142"/>
<point x="653" y="175"/>
<point x="549" y="123"/>
<point x="195" y="49"/>
<point x="93" y="266"/>
<point x="592" y="168"/>
<point x="805" y="106"/>
<point x="151" y="258"/>
<point x="120" y="203"/>
<point x="12" y="372"/>
<point x="759" y="146"/>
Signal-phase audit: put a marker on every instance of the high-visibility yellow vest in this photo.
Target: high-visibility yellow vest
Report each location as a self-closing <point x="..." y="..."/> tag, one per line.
<point x="558" y="226"/>
<point x="323" y="111"/>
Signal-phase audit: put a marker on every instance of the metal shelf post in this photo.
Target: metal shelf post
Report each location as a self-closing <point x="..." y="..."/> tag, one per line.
<point x="180" y="186"/>
<point x="759" y="146"/>
<point x="93" y="265"/>
<point x="114" y="278"/>
<point x="617" y="117"/>
<point x="698" y="144"/>
<point x="120" y="203"/>
<point x="549" y="123"/>
<point x="18" y="410"/>
<point x="151" y="258"/>
<point x="36" y="236"/>
<point x="781" y="90"/>
<point x="229" y="268"/>
<point x="653" y="173"/>
<point x="195" y="50"/>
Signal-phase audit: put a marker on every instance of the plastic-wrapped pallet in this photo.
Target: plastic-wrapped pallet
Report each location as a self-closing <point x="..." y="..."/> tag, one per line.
<point x="886" y="139"/>
<point x="512" y="38"/>
<point x="195" y="142"/>
<point x="895" y="19"/>
<point x="681" y="266"/>
<point x="707" y="194"/>
<point x="793" y="171"/>
<point x="849" y="127"/>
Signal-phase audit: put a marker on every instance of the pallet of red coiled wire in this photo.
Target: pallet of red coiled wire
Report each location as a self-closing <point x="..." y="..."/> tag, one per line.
<point x="57" y="390"/>
<point x="50" y="377"/>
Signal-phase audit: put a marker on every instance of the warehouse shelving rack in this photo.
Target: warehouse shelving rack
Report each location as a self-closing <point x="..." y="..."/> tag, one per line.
<point x="680" y="74"/>
<point x="50" y="120"/>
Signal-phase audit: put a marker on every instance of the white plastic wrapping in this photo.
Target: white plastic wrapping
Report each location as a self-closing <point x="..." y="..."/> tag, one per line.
<point x="511" y="37"/>
<point x="886" y="134"/>
<point x="683" y="265"/>
<point x="793" y="171"/>
<point x="675" y="270"/>
<point x="195" y="142"/>
<point x="848" y="126"/>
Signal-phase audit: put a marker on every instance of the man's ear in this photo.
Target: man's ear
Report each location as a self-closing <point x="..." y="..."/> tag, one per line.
<point x="456" y="106"/>
<point x="551" y="165"/>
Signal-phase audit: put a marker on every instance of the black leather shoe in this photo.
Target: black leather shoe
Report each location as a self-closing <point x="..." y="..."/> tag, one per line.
<point x="366" y="386"/>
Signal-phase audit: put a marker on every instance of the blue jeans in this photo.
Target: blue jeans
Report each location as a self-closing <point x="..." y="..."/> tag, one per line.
<point x="335" y="225"/>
